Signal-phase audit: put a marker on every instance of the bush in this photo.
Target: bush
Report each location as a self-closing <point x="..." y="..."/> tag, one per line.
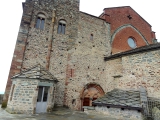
<point x="156" y="113"/>
<point x="4" y="104"/>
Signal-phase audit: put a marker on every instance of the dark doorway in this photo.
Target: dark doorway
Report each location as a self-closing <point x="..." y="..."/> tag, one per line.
<point x="86" y="102"/>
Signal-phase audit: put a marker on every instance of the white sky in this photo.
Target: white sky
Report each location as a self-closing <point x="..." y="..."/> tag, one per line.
<point x="11" y="12"/>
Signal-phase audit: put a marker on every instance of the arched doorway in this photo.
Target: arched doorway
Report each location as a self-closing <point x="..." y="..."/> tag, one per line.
<point x="90" y="92"/>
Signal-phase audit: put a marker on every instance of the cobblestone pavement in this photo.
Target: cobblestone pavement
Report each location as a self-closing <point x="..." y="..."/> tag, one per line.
<point x="57" y="114"/>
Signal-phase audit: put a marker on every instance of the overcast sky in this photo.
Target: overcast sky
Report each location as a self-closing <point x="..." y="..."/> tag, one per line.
<point x="11" y="12"/>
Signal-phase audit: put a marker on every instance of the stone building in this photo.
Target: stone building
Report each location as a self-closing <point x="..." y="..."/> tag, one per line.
<point x="88" y="55"/>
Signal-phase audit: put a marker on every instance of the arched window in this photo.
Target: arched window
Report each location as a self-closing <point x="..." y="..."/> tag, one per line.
<point x="40" y="21"/>
<point x="61" y="27"/>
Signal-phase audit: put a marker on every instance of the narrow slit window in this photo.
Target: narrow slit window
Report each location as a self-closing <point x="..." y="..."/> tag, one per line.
<point x="12" y="92"/>
<point x="61" y="27"/>
<point x="91" y="37"/>
<point x="71" y="72"/>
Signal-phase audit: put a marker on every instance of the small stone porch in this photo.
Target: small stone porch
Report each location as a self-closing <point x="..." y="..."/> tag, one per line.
<point x="26" y="94"/>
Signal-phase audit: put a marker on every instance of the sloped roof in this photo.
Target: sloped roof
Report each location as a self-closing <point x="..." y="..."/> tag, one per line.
<point x="36" y="72"/>
<point x="146" y="48"/>
<point x="120" y="98"/>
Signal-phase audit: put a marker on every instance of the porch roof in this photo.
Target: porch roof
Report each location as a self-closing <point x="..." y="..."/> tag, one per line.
<point x="36" y="72"/>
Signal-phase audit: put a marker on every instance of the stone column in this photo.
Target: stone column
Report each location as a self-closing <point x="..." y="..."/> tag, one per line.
<point x="90" y="101"/>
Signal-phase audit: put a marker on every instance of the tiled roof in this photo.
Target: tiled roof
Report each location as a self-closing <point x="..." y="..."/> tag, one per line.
<point x="36" y="72"/>
<point x="120" y="98"/>
<point x="134" y="51"/>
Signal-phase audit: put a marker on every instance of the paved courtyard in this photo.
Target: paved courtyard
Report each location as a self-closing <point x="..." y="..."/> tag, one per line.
<point x="57" y="114"/>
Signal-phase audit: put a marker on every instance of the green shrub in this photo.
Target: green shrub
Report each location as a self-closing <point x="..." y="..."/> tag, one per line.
<point x="4" y="104"/>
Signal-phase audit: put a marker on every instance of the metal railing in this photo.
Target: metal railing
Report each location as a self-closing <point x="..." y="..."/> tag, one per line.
<point x="148" y="107"/>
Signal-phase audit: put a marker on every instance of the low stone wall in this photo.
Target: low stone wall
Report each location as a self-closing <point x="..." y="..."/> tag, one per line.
<point x="116" y="113"/>
<point x="156" y="114"/>
<point x="22" y="98"/>
<point x="1" y="98"/>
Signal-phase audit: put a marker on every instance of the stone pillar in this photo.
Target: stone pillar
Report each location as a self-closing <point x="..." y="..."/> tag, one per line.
<point x="90" y="101"/>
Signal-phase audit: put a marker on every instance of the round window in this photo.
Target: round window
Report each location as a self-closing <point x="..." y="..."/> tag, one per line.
<point x="131" y="43"/>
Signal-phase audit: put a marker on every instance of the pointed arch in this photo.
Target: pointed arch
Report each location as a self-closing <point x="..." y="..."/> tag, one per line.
<point x="90" y="92"/>
<point x="125" y="26"/>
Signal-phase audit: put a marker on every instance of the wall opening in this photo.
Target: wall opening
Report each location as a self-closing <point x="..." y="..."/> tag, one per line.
<point x="90" y="92"/>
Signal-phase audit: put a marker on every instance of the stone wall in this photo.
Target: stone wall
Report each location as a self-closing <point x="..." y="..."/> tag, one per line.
<point x="85" y="63"/>
<point x="156" y="114"/>
<point x="37" y="40"/>
<point x="20" y="46"/>
<point x="46" y="47"/>
<point x="114" y="72"/>
<point x="23" y="97"/>
<point x="66" y="56"/>
<point x="116" y="113"/>
<point x="24" y="93"/>
<point x="1" y="98"/>
<point x="133" y="71"/>
<point x="76" y="58"/>
<point x="62" y="44"/>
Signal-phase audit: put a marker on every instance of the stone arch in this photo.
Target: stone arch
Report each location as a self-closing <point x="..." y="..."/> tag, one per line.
<point x="61" y="26"/>
<point x="63" y="19"/>
<point x="90" y="92"/>
<point x="42" y="15"/>
<point x="41" y="12"/>
<point x="125" y="26"/>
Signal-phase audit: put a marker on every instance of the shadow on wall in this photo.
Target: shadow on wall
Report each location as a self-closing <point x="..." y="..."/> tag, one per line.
<point x="1" y="98"/>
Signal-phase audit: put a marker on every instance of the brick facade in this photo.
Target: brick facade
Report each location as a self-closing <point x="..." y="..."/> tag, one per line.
<point x="125" y="22"/>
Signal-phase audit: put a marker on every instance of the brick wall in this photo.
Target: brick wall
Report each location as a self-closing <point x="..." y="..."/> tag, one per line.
<point x="121" y="16"/>
<point x="120" y="39"/>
